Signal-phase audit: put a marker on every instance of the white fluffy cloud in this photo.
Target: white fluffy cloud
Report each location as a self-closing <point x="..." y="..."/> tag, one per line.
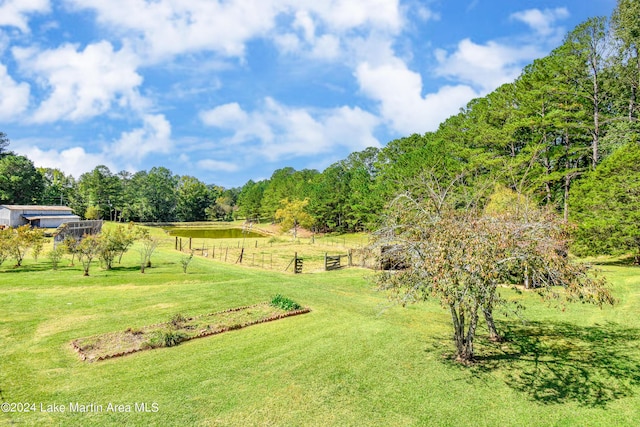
<point x="81" y="83"/>
<point x="542" y="21"/>
<point x="74" y="161"/>
<point x="284" y="131"/>
<point x="398" y="91"/>
<point x="153" y="137"/>
<point x="484" y="66"/>
<point x="14" y="12"/>
<point x="14" y="97"/>
<point x="166" y="28"/>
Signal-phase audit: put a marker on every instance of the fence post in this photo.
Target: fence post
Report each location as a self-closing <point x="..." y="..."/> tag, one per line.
<point x="350" y="253"/>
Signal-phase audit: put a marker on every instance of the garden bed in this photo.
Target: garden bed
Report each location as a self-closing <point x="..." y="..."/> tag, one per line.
<point x="177" y="330"/>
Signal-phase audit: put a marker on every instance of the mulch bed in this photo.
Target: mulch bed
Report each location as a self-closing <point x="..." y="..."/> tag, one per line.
<point x="122" y="343"/>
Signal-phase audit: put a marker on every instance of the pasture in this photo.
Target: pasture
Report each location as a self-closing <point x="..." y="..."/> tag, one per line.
<point x="355" y="359"/>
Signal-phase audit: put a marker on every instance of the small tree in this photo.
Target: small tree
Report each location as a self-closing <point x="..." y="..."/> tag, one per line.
<point x="148" y="245"/>
<point x="115" y="242"/>
<point x="292" y="214"/>
<point x="22" y="239"/>
<point x="185" y="261"/>
<point x="70" y="245"/>
<point x="5" y="243"/>
<point x="462" y="257"/>
<point x="55" y="255"/>
<point x="37" y="243"/>
<point x="89" y="248"/>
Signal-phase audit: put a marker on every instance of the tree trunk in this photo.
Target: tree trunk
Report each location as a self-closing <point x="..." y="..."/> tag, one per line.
<point x="493" y="331"/>
<point x="464" y="341"/>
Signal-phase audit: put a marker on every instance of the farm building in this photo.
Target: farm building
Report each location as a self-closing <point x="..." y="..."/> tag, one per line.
<point x="36" y="216"/>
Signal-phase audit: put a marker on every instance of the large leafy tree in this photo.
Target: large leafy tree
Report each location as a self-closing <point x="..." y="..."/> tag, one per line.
<point x="461" y="257"/>
<point x="159" y="190"/>
<point x="59" y="188"/>
<point x="20" y="182"/>
<point x="606" y="206"/>
<point x="626" y="27"/>
<point x="250" y="199"/>
<point x="102" y="190"/>
<point x="193" y="199"/>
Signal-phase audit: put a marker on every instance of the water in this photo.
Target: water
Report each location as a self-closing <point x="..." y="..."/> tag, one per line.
<point x="213" y="233"/>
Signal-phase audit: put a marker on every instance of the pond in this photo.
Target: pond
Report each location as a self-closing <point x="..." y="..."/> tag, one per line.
<point x="212" y="233"/>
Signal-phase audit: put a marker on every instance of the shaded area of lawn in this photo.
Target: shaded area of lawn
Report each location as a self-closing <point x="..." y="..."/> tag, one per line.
<point x="558" y="362"/>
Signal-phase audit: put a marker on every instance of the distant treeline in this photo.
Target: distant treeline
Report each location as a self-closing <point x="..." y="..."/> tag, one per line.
<point x="544" y="135"/>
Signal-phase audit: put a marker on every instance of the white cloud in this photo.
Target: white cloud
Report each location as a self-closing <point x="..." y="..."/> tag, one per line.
<point x="541" y="21"/>
<point x="153" y="137"/>
<point x="228" y="115"/>
<point x="398" y="90"/>
<point x="344" y="15"/>
<point x="73" y="161"/>
<point x="83" y="83"/>
<point x="484" y="66"/>
<point x="164" y="28"/>
<point x="217" y="165"/>
<point x="14" y="97"/>
<point x="167" y="27"/>
<point x="282" y="131"/>
<point x="14" y="12"/>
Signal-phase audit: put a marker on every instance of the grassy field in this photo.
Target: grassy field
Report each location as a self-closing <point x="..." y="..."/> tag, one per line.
<point x="355" y="360"/>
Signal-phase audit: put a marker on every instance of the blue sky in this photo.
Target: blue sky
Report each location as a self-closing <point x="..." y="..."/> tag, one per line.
<point x="231" y="90"/>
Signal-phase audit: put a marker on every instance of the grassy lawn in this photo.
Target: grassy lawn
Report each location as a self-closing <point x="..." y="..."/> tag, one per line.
<point x="354" y="360"/>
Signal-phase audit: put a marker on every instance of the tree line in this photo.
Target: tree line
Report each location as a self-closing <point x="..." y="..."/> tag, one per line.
<point x="550" y="135"/>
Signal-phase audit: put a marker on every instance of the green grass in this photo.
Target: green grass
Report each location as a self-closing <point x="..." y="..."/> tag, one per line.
<point x="354" y="360"/>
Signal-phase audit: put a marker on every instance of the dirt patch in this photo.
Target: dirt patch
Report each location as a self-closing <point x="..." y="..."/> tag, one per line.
<point x="177" y="330"/>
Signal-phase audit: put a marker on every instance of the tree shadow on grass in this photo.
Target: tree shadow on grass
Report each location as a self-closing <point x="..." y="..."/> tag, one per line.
<point x="28" y="268"/>
<point x="555" y="363"/>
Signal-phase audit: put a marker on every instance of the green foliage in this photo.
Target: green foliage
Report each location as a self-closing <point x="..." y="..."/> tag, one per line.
<point x="185" y="260"/>
<point x="87" y="249"/>
<point x="293" y="214"/>
<point x="92" y="213"/>
<point x="193" y="197"/>
<point x="20" y="181"/>
<point x="18" y="241"/>
<point x="115" y="242"/>
<point x="5" y="244"/>
<point x="606" y="206"/>
<point x="284" y="303"/>
<point x="55" y="255"/>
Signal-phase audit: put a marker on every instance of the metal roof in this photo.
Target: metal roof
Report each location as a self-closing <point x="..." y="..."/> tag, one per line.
<point x="32" y="217"/>
<point x="36" y="208"/>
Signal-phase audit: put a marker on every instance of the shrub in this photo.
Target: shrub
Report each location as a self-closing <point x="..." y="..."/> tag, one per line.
<point x="55" y="255"/>
<point x="172" y="338"/>
<point x="285" y="303"/>
<point x="184" y="261"/>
